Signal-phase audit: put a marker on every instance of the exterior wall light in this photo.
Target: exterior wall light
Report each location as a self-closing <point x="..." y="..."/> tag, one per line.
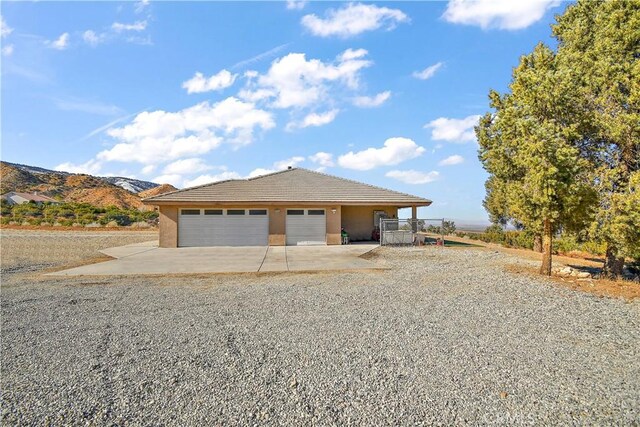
<point x="277" y="210"/>
<point x="333" y="210"/>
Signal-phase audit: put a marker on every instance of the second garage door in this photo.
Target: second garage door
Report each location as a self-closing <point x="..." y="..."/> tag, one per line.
<point x="223" y="227"/>
<point x="306" y="227"/>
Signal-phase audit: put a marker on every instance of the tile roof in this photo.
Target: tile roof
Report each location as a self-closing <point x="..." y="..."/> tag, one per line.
<point x="291" y="185"/>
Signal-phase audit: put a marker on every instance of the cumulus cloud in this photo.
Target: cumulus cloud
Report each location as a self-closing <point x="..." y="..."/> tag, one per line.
<point x="296" y="4"/>
<point x="61" y="43"/>
<point x="162" y="136"/>
<point x="186" y="166"/>
<point x="502" y="14"/>
<point x="149" y="169"/>
<point x="323" y="159"/>
<point x="353" y="19"/>
<point x="284" y="164"/>
<point x="453" y="130"/>
<point x="451" y="160"/>
<point x="428" y="72"/>
<point x="92" y="38"/>
<point x="90" y="167"/>
<point x="199" y="83"/>
<point x="413" y="177"/>
<point x="314" y="119"/>
<point x="294" y="81"/>
<point x="207" y="179"/>
<point x="371" y="101"/>
<point x="395" y="150"/>
<point x="138" y="26"/>
<point x="5" y="29"/>
<point x="174" y="179"/>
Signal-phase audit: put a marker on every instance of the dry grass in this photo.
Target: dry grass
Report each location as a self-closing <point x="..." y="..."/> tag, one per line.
<point x="600" y="287"/>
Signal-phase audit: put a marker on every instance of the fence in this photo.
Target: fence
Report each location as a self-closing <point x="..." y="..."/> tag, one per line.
<point x="397" y="232"/>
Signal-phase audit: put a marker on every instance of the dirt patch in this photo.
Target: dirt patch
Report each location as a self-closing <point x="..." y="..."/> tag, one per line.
<point x="78" y="229"/>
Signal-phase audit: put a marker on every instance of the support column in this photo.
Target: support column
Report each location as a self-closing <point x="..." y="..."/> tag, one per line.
<point x="414" y="217"/>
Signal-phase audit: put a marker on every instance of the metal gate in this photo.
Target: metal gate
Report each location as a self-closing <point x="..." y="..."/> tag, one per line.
<point x="405" y="232"/>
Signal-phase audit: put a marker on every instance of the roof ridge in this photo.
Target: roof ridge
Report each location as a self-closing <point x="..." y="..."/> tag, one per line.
<point x="219" y="182"/>
<point x="358" y="182"/>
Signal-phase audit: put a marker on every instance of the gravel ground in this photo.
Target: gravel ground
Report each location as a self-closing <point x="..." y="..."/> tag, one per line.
<point x="445" y="337"/>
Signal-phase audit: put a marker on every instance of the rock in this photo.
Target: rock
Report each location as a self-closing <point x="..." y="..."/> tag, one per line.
<point x="584" y="275"/>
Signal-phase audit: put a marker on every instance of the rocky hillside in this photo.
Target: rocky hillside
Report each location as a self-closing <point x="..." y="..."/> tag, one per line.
<point x="160" y="189"/>
<point x="98" y="191"/>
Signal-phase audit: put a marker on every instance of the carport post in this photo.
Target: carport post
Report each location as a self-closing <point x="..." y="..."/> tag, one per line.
<point x="414" y="218"/>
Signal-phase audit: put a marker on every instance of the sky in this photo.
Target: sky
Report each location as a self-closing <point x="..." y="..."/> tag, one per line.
<point x="187" y="93"/>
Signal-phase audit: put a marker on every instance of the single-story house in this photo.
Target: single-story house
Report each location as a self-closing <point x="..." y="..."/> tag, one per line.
<point x="291" y="207"/>
<point x="17" y="198"/>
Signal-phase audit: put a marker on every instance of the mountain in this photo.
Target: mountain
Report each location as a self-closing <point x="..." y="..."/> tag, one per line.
<point x="98" y="191"/>
<point x="129" y="184"/>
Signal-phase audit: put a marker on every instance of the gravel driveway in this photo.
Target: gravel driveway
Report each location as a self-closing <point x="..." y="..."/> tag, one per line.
<point x="446" y="336"/>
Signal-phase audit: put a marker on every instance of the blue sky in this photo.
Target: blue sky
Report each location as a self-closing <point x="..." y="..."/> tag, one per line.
<point x="186" y="93"/>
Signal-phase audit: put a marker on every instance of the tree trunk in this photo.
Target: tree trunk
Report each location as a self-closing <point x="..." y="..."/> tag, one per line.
<point x="547" y="237"/>
<point x="537" y="243"/>
<point x="613" y="264"/>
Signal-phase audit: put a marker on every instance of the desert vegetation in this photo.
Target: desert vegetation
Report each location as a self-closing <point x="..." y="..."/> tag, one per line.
<point x="74" y="214"/>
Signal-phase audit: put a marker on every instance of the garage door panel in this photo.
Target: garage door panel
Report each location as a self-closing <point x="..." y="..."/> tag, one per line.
<point x="306" y="229"/>
<point x="223" y="230"/>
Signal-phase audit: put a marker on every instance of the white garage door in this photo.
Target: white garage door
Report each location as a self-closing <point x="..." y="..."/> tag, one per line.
<point x="306" y="227"/>
<point x="223" y="227"/>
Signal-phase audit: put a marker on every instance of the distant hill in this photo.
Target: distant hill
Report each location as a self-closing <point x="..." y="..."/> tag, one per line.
<point x="98" y="191"/>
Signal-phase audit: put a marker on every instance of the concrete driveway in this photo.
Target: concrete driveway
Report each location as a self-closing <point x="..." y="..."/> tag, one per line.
<point x="148" y="258"/>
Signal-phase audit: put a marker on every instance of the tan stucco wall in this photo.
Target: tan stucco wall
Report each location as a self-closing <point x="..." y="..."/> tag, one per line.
<point x="358" y="220"/>
<point x="168" y="226"/>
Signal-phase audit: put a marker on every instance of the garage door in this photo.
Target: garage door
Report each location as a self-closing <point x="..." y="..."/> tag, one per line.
<point x="223" y="227"/>
<point x="306" y="227"/>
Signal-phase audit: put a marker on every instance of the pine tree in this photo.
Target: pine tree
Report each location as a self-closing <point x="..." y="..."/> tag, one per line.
<point x="528" y="146"/>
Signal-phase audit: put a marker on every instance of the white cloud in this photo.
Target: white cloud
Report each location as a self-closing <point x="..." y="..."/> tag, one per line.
<point x="7" y="50"/>
<point x="371" y="101"/>
<point x="451" y="160"/>
<point x="284" y="164"/>
<point x="186" y="166"/>
<point x="199" y="83"/>
<point x="413" y="177"/>
<point x="353" y="19"/>
<point x="92" y="38"/>
<point x="141" y="5"/>
<point x="296" y="4"/>
<point x="314" y="119"/>
<point x="428" y="72"/>
<point x="149" y="169"/>
<point x="207" y="179"/>
<point x="5" y="29"/>
<point x="61" y="43"/>
<point x="160" y="136"/>
<point x="502" y="14"/>
<point x="395" y="150"/>
<point x="174" y="179"/>
<point x="453" y="130"/>
<point x="90" y="167"/>
<point x="119" y="27"/>
<point x="294" y="81"/>
<point x="323" y="159"/>
<point x="261" y="171"/>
